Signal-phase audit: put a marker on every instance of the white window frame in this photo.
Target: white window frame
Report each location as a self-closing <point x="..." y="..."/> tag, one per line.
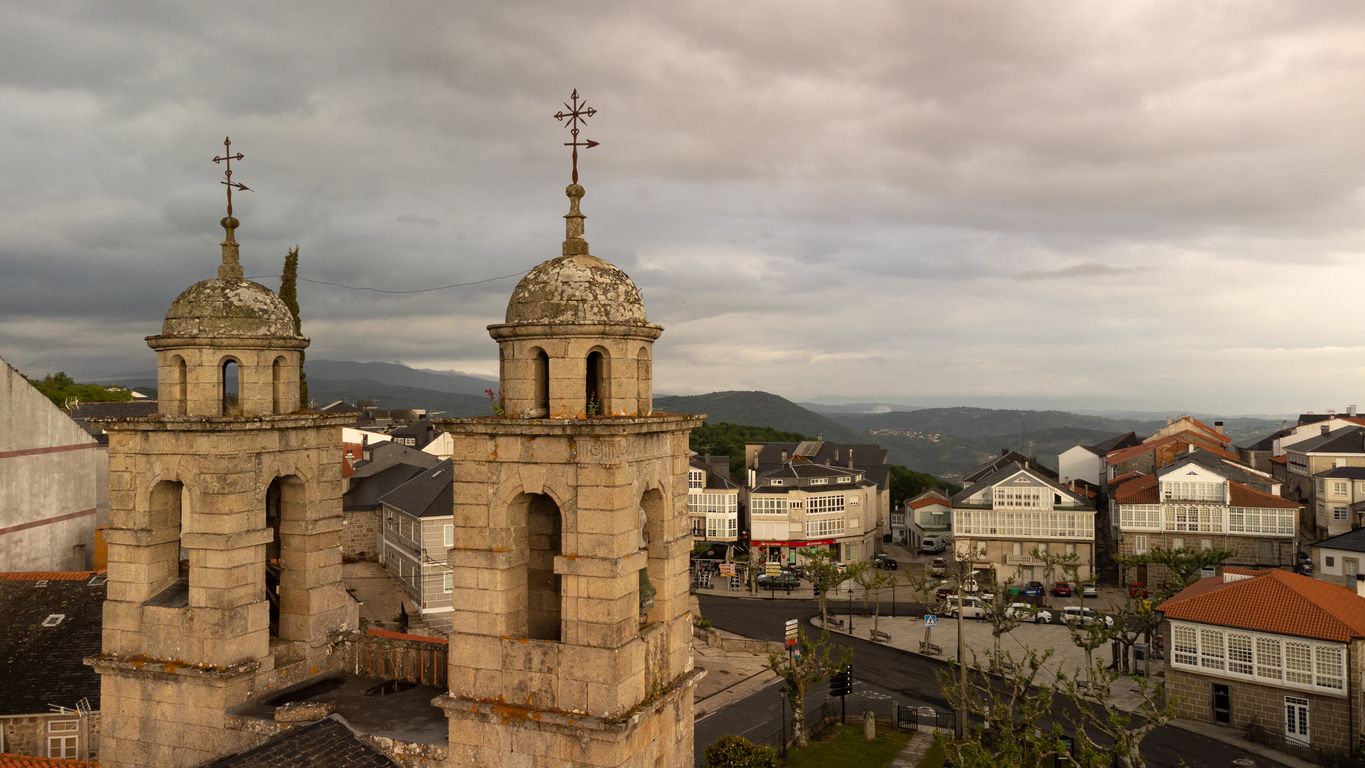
<point x="1288" y="662"/>
<point x="448" y="535"/>
<point x="448" y="582"/>
<point x="63" y="738"/>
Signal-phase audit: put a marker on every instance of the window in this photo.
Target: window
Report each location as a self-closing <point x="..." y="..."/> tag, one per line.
<point x="1239" y="654"/>
<point x="1268" y="658"/>
<point x="696" y="478"/>
<point x="1211" y="650"/>
<point x="448" y="536"/>
<point x="1296" y="719"/>
<point x="820" y="481"/>
<point x="768" y="505"/>
<point x="447" y="582"/>
<point x="1183" y="644"/>
<point x="1339" y="487"/>
<point x="1310" y="665"/>
<point x="1298" y="663"/>
<point x="1140" y="545"/>
<point x="819" y="505"/>
<point x="63" y="737"/>
<point x="825" y="527"/>
<point x="1329" y="561"/>
<point x="1339" y="513"/>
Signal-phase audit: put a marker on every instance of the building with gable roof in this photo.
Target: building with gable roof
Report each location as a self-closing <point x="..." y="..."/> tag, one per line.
<point x="1306" y="463"/>
<point x="1086" y="462"/>
<point x="416" y="538"/>
<point x="1007" y="515"/>
<point x="1204" y="502"/>
<point x="930" y="512"/>
<point x="1270" y="651"/>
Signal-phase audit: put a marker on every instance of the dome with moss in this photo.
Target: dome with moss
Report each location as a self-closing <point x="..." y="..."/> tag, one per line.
<point x="231" y="307"/>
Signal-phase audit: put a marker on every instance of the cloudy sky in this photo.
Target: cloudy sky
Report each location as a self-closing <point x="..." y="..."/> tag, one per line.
<point x="1086" y="205"/>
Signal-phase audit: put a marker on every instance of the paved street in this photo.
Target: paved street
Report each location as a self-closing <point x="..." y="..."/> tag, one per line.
<point x="909" y="678"/>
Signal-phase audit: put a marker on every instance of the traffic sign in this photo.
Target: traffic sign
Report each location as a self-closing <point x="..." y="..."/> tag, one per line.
<point x="790" y="632"/>
<point x="773" y="569"/>
<point x="727" y="569"/>
<point x="930" y="620"/>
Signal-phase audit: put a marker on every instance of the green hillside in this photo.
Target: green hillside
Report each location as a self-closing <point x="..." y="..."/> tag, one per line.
<point x="761" y="409"/>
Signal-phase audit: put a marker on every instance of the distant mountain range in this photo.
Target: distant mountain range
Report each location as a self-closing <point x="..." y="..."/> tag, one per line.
<point x="948" y="442"/>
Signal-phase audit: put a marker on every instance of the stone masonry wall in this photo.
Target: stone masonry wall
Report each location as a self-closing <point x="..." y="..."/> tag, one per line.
<point x="360" y="535"/>
<point x="1262" y="705"/>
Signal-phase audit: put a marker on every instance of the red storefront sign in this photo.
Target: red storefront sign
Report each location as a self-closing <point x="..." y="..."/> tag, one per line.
<point x="815" y="543"/>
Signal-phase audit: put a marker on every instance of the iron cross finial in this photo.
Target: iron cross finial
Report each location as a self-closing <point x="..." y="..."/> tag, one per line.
<point x="577" y="115"/>
<point x="228" y="157"/>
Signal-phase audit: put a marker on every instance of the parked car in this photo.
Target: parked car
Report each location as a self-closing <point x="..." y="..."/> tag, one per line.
<point x="942" y="593"/>
<point x="972" y="607"/>
<point x="1033" y="589"/>
<point x="1090" y="590"/>
<point x="1061" y="589"/>
<point x="1083" y="616"/>
<point x="934" y="544"/>
<point x="784" y="580"/>
<point x="938" y="567"/>
<point x="882" y="561"/>
<point x="1027" y="612"/>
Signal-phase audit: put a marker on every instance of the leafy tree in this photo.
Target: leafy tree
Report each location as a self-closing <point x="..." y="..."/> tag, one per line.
<point x="289" y="294"/>
<point x="739" y="752"/>
<point x="826" y="573"/>
<point x="1180" y="567"/>
<point x="996" y="612"/>
<point x="61" y="389"/>
<point x="809" y="663"/>
<point x="1095" y="712"/>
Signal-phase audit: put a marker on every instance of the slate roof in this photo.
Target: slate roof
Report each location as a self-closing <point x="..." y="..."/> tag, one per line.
<point x="366" y="491"/>
<point x="1346" y="473"/>
<point x="1112" y="444"/>
<point x="1006" y="458"/>
<point x="713" y="480"/>
<point x="88" y="415"/>
<point x="1344" y="440"/>
<point x="327" y="743"/>
<point x="430" y="494"/>
<point x="1226" y="468"/>
<point x="1275" y="601"/>
<point x="1010" y="470"/>
<point x="803" y="472"/>
<point x="868" y="457"/>
<point x="42" y="665"/>
<point x="1351" y="541"/>
<point x="387" y="453"/>
<point x="1267" y="443"/>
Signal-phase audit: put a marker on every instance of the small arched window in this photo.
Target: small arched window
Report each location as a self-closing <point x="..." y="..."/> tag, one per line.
<point x="596" y="392"/>
<point x="542" y="383"/>
<point x="231" y="387"/>
<point x="179" y="381"/>
<point x="279" y="401"/>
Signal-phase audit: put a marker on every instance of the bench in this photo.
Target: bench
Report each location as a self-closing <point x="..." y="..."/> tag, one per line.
<point x="930" y="648"/>
<point x="833" y="622"/>
<point x="879" y="636"/>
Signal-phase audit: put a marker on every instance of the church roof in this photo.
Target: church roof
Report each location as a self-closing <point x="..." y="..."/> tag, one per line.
<point x="231" y="307"/>
<point x="322" y="744"/>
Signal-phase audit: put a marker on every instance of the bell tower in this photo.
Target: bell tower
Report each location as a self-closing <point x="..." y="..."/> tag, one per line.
<point x="224" y="538"/>
<point x="572" y="639"/>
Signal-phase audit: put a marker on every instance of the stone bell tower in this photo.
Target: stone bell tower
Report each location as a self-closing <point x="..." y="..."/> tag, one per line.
<point x="224" y="537"/>
<point x="572" y="640"/>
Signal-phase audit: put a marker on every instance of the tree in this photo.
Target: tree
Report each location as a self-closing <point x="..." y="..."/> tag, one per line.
<point x="64" y="391"/>
<point x="808" y="663"/>
<point x="997" y="613"/>
<point x="906" y="484"/>
<point x="289" y="294"/>
<point x="1182" y="566"/>
<point x="724" y="438"/>
<point x="872" y="580"/>
<point x="739" y="752"/>
<point x="825" y="574"/>
<point x="1095" y="713"/>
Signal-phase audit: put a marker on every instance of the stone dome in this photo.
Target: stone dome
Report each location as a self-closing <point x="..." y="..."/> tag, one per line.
<point x="230" y="307"/>
<point x="576" y="289"/>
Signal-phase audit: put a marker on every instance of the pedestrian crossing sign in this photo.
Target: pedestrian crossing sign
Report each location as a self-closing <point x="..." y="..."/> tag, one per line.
<point x="930" y="619"/>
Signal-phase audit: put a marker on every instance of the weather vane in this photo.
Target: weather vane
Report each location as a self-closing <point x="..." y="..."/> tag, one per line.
<point x="577" y="115"/>
<point x="227" y="157"/>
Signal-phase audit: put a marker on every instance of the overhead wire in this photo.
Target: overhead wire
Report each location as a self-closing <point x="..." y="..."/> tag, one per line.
<point x="386" y="290"/>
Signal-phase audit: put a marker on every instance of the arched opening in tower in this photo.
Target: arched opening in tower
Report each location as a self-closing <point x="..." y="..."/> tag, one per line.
<point x="179" y="373"/>
<point x="542" y="384"/>
<point x="596" y="394"/>
<point x="543" y="528"/>
<point x="168" y="566"/>
<point x="654" y="596"/>
<point x="284" y="576"/>
<point x="231" y="387"/>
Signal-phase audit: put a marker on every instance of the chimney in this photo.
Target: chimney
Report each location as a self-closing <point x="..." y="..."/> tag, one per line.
<point x="784" y="457"/>
<point x="1218" y="427"/>
<point x="1360" y="584"/>
<point x="1325" y="429"/>
<point x="850" y="458"/>
<point x="836" y="455"/>
<point x="1350" y="410"/>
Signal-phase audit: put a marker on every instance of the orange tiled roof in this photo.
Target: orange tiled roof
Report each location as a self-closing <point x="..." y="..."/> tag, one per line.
<point x="377" y="632"/>
<point x="1140" y="490"/>
<point x="1281" y="459"/>
<point x="48" y="575"/>
<point x="1274" y="601"/>
<point x="1125" y="477"/>
<point x="1185" y="438"/>
<point x="9" y="760"/>
<point x="930" y="502"/>
<point x="1246" y="496"/>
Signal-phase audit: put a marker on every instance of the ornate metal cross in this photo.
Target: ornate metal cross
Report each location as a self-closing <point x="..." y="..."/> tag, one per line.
<point x="577" y="115"/>
<point x="227" y="157"/>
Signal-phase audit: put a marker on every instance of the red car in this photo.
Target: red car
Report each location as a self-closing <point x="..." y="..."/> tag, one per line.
<point x="1061" y="589"/>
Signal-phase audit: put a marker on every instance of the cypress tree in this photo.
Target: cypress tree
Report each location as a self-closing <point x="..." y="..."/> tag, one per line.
<point x="289" y="294"/>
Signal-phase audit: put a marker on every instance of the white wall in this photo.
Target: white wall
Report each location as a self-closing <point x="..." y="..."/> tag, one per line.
<point x="1077" y="463"/>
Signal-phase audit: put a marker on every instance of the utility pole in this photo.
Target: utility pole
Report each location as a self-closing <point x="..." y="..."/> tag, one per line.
<point x="960" y="718"/>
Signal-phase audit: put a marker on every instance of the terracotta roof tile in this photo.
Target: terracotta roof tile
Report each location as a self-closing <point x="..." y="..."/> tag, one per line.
<point x="1274" y="601"/>
<point x="8" y="760"/>
<point x="1246" y="496"/>
<point x="1139" y="490"/>
<point x="48" y="575"/>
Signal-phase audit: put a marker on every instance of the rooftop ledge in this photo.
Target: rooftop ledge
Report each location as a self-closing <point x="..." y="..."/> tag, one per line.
<point x="226" y="423"/>
<point x="602" y="425"/>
